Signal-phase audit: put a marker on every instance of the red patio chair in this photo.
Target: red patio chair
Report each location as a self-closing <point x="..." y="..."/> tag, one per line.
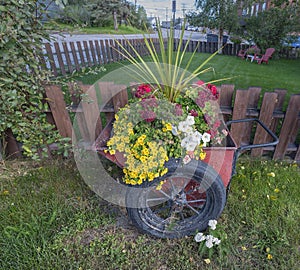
<point x="265" y="57"/>
<point x="252" y="50"/>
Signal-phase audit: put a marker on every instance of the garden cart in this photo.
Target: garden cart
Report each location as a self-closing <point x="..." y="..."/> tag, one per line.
<point x="190" y="194"/>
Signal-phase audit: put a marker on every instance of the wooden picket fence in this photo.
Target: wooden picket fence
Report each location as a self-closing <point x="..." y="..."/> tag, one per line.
<point x="234" y="104"/>
<point x="66" y="57"/>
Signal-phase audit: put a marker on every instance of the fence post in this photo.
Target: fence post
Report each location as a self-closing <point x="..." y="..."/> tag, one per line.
<point x="289" y="127"/>
<point x="60" y="114"/>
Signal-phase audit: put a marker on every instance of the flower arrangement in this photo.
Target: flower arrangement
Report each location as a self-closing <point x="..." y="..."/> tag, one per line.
<point x="150" y="129"/>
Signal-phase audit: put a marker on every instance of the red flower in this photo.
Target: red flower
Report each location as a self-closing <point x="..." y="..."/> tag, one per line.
<point x="142" y="90"/>
<point x="213" y="89"/>
<point x="194" y="113"/>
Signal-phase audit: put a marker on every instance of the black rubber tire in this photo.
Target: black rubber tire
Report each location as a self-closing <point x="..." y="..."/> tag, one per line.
<point x="192" y="195"/>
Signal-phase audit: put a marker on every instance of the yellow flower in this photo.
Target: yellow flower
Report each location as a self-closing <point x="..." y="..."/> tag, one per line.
<point x="112" y="152"/>
<point x="164" y="130"/>
<point x="207" y="261"/>
<point x="143" y="159"/>
<point x="145" y="151"/>
<point x="168" y="126"/>
<point x="151" y="176"/>
<point x="164" y="171"/>
<point x="202" y="155"/>
<point x="269" y="257"/>
<point x="271" y="174"/>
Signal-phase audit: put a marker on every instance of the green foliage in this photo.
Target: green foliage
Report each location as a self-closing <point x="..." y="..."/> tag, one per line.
<point x="270" y="27"/>
<point x="22" y="103"/>
<point x="218" y="14"/>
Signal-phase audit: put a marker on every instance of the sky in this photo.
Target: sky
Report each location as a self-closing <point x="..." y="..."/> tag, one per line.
<point x="163" y="8"/>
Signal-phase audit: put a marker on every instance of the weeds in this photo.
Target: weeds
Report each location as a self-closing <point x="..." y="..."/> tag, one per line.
<point x="49" y="219"/>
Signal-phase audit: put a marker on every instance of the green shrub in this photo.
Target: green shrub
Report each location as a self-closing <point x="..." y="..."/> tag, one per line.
<point x="22" y="103"/>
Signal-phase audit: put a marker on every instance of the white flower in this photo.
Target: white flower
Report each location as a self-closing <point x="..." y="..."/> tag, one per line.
<point x="197" y="137"/>
<point x="205" y="138"/>
<point x="184" y="127"/>
<point x="199" y="237"/>
<point x="217" y="241"/>
<point x="184" y="142"/>
<point x="190" y="120"/>
<point x="212" y="224"/>
<point x="191" y="145"/>
<point x="174" y="130"/>
<point x="209" y="243"/>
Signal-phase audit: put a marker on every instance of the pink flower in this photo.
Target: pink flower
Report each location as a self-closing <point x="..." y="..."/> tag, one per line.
<point x="200" y="82"/>
<point x="194" y="113"/>
<point x="148" y="116"/>
<point x="149" y="102"/>
<point x="178" y="109"/>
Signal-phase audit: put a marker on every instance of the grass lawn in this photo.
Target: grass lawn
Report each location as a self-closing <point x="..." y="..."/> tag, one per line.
<point x="279" y="73"/>
<point x="49" y="219"/>
<point x="61" y="27"/>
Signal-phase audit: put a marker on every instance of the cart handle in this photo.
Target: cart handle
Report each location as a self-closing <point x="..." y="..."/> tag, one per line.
<point x="251" y="146"/>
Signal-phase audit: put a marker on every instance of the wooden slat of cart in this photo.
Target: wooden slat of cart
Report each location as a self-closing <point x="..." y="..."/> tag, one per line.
<point x="51" y="58"/>
<point x="68" y="59"/>
<point x="73" y="50"/>
<point x="59" y="58"/>
<point x="266" y="116"/>
<point x="12" y="147"/>
<point x="87" y="53"/>
<point x="57" y="105"/>
<point x="106" y="93"/>
<point x="288" y="127"/>
<point x="239" y="112"/>
<point x="81" y="53"/>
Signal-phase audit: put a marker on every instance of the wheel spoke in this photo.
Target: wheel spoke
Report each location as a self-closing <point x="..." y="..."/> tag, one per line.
<point x="193" y="209"/>
<point x="196" y="201"/>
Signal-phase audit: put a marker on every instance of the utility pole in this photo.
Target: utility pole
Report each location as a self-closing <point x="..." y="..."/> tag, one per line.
<point x="174" y="13"/>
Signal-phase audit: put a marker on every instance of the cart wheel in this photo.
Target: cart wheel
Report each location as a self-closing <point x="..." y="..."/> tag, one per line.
<point x="191" y="195"/>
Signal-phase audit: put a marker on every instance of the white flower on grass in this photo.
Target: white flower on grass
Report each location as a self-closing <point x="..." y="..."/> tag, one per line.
<point x="209" y="241"/>
<point x="199" y="237"/>
<point x="190" y="120"/>
<point x="205" y="138"/>
<point x="217" y="241"/>
<point x="212" y="224"/>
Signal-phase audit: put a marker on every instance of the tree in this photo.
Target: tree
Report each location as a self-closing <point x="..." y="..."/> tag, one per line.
<point x="219" y="14"/>
<point x="270" y="27"/>
<point x="104" y="12"/>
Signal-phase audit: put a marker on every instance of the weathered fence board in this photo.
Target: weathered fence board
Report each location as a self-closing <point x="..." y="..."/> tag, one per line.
<point x="102" y="100"/>
<point x="94" y="52"/>
<point x="288" y="129"/>
<point x="57" y="105"/>
<point x="266" y="115"/>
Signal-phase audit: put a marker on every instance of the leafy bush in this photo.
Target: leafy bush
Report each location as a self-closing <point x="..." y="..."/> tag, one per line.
<point x="22" y="103"/>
